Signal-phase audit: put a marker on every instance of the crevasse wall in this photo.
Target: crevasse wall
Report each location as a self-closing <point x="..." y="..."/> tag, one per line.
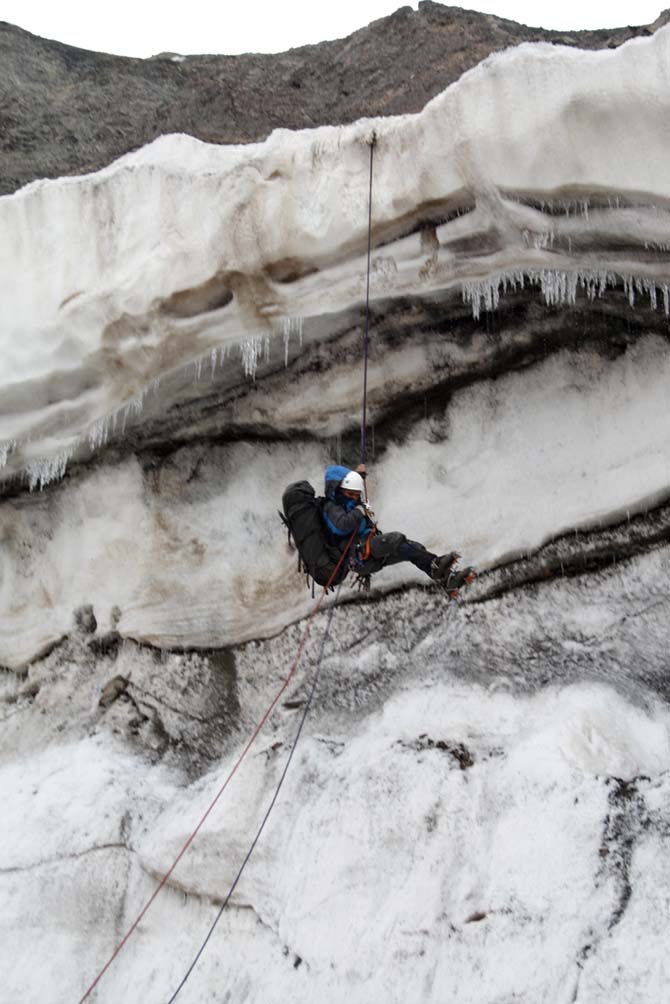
<point x="192" y="553"/>
<point x="480" y="805"/>
<point x="519" y="186"/>
<point x="134" y="267"/>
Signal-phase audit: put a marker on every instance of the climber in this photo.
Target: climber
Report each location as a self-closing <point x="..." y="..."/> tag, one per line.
<point x="346" y="509"/>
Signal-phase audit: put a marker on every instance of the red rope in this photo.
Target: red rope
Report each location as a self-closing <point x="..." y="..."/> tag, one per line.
<point x="223" y="787"/>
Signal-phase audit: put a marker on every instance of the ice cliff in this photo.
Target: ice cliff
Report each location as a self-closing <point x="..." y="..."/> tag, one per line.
<point x="480" y="811"/>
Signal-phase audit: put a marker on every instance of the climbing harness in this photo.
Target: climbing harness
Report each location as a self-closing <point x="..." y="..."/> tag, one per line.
<point x="363" y="550"/>
<point x="301" y="645"/>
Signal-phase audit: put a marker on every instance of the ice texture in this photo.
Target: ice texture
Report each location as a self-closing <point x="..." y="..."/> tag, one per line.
<point x="576" y="441"/>
<point x="503" y="843"/>
<point x="44" y="471"/>
<point x="480" y="805"/>
<point x="182" y="248"/>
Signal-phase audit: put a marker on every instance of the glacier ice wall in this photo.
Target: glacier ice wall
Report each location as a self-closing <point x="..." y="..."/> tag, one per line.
<point x="542" y="162"/>
<point x="210" y="299"/>
<point x="480" y="808"/>
<point x="189" y="547"/>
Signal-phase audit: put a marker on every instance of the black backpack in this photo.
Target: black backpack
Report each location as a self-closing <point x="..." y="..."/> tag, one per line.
<point x="303" y="517"/>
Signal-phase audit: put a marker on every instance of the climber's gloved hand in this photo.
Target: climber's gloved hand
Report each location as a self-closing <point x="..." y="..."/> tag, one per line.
<point x="366" y="510"/>
<point x="361" y="470"/>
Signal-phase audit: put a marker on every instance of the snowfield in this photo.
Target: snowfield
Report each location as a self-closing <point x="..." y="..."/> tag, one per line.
<point x="479" y="807"/>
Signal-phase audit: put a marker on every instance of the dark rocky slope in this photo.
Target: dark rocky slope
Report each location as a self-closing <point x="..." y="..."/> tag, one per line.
<point x="65" y="110"/>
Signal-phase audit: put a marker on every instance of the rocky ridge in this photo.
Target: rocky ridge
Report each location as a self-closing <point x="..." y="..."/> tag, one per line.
<point x="67" y="110"/>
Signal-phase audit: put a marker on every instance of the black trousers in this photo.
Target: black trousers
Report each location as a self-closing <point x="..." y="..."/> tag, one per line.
<point x="390" y="549"/>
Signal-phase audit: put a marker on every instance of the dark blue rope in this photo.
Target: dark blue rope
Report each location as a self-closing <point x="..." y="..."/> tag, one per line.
<point x="366" y="338"/>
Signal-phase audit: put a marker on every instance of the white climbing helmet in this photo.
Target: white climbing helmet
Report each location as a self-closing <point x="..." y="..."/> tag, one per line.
<point x="353" y="482"/>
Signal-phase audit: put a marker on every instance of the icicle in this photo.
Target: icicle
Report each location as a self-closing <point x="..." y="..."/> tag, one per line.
<point x="98" y="433"/>
<point x="287" y="327"/>
<point x="485" y="293"/>
<point x="559" y="287"/>
<point x="251" y="349"/>
<point x="46" y="470"/>
<point x="629" y="290"/>
<point x="650" y="289"/>
<point x="136" y="404"/>
<point x="219" y="355"/>
<point x="481" y="293"/>
<point x="594" y="284"/>
<point x="6" y="450"/>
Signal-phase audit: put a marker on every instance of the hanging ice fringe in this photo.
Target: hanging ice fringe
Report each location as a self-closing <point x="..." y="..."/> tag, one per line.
<point x="45" y="471"/>
<point x="560" y="288"/>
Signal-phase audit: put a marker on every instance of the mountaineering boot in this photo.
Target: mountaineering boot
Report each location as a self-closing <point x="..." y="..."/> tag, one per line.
<point x="442" y="565"/>
<point x="454" y="580"/>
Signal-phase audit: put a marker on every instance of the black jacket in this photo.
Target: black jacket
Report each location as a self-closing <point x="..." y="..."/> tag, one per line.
<point x="340" y="513"/>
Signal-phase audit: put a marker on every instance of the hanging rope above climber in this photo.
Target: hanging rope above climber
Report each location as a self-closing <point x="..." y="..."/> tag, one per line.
<point x="320" y="526"/>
